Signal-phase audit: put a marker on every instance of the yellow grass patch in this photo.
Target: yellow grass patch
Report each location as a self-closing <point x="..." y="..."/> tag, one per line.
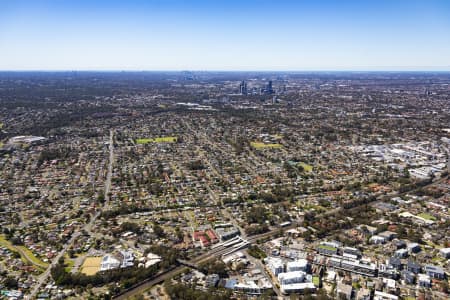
<point x="163" y="139"/>
<point x="259" y="145"/>
<point x="306" y="167"/>
<point x="91" y="265"/>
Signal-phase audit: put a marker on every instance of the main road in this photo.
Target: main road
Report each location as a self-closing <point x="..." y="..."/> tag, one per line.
<point x="87" y="227"/>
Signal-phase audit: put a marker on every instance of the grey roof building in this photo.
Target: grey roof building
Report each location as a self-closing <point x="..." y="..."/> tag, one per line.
<point x="395" y="263"/>
<point x="401" y="253"/>
<point x="399" y="244"/>
<point x="414" y="247"/>
<point x="434" y="271"/>
<point x="408" y="277"/>
<point x="413" y="267"/>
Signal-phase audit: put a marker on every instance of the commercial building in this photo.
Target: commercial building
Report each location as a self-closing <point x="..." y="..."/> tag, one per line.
<point x="414" y="248"/>
<point x="298" y="288"/>
<point x="434" y="272"/>
<point x="109" y="262"/>
<point x="291" y="277"/>
<point x="384" y="296"/>
<point x="413" y="267"/>
<point x="424" y="280"/>
<point x="297" y="265"/>
<point x="243" y="88"/>
<point x="445" y="252"/>
<point x="351" y="253"/>
<point x="401" y="253"/>
<point x="355" y="266"/>
<point x="227" y="233"/>
<point x="275" y="265"/>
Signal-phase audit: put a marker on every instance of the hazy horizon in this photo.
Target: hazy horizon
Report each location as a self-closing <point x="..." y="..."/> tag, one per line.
<point x="228" y="35"/>
<point x="387" y="70"/>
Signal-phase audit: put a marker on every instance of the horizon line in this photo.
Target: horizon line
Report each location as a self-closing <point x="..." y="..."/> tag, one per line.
<point x="385" y="69"/>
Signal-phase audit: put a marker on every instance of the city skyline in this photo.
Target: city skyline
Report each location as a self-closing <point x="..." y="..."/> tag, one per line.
<point x="225" y="35"/>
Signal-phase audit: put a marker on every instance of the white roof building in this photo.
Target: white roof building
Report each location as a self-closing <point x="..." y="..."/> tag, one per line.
<point x="152" y="259"/>
<point x="445" y="252"/>
<point x="298" y="265"/>
<point x="109" y="262"/>
<point x="376" y="239"/>
<point x="297" y="287"/>
<point x="331" y="276"/>
<point x="275" y="265"/>
<point x="128" y="259"/>
<point x="291" y="277"/>
<point x="384" y="296"/>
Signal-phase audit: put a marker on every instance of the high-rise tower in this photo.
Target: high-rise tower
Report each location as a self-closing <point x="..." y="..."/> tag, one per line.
<point x="243" y="88"/>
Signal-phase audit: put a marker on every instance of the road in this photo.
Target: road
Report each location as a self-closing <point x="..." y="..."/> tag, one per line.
<point x="110" y="169"/>
<point x="263" y="268"/>
<point x="44" y="276"/>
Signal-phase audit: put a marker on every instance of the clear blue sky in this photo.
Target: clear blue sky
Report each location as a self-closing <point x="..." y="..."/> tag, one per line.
<point x="225" y="35"/>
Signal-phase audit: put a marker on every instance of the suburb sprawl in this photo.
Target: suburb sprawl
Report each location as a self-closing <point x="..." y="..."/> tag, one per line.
<point x="197" y="185"/>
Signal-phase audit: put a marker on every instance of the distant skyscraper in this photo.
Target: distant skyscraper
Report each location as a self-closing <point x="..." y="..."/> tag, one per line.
<point x="268" y="89"/>
<point x="243" y="88"/>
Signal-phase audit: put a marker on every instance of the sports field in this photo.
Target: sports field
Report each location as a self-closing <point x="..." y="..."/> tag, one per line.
<point x="163" y="139"/>
<point x="427" y="216"/>
<point x="91" y="265"/>
<point x="259" y="145"/>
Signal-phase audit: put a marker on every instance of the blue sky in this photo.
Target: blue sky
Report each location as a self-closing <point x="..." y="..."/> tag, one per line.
<point x="225" y="35"/>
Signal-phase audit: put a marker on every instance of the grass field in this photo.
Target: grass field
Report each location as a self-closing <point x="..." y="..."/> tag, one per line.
<point x="316" y="280"/>
<point x="5" y="243"/>
<point x="165" y="139"/>
<point x="427" y="216"/>
<point x="259" y="145"/>
<point x="31" y="256"/>
<point x="91" y="265"/>
<point x="69" y="263"/>
<point x="326" y="247"/>
<point x="25" y="253"/>
<point x="306" y="167"/>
